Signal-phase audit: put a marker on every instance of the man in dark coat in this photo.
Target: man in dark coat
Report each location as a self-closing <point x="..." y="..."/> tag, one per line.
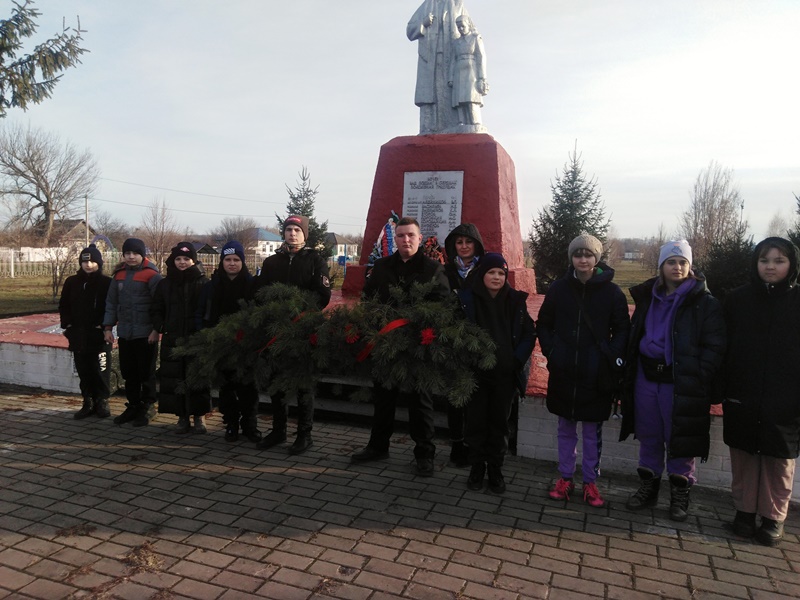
<point x="295" y="264"/>
<point x="82" y="307"/>
<point x="403" y="268"/>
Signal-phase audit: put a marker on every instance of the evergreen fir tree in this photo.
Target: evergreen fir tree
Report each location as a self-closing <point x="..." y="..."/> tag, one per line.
<point x="301" y="202"/>
<point x="728" y="263"/>
<point x="576" y="208"/>
<point x="794" y="233"/>
<point x="31" y="78"/>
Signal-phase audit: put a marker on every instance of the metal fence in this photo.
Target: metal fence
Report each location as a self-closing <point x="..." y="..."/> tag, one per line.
<point x="12" y="266"/>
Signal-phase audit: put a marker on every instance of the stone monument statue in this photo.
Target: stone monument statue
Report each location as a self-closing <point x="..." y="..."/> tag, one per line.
<point x="433" y="25"/>
<point x="468" y="76"/>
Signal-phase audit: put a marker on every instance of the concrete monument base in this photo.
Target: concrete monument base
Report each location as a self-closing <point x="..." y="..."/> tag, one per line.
<point x="489" y="195"/>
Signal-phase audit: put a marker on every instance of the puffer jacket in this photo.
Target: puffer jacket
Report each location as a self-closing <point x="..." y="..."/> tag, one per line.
<point x="521" y="327"/>
<point x="761" y="411"/>
<point x="129" y="299"/>
<point x="574" y="356"/>
<point x="698" y="349"/>
<point x="305" y="269"/>
<point x="82" y="307"/>
<point x="450" y="269"/>
<point x="174" y="309"/>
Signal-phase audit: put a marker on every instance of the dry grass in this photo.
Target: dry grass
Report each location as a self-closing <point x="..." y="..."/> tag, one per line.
<point x="630" y="273"/>
<point x="76" y="530"/>
<point x="142" y="558"/>
<point x="26" y="295"/>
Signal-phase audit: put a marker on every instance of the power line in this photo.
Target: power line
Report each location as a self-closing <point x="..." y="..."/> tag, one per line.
<point x="200" y="212"/>
<point x="155" y="187"/>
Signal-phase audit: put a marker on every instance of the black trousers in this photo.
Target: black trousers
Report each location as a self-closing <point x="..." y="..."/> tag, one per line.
<point x="420" y="420"/>
<point x="486" y="431"/>
<point x="305" y="412"/>
<point x="137" y="362"/>
<point x="93" y="368"/>
<point x="455" y="422"/>
<point x="238" y="403"/>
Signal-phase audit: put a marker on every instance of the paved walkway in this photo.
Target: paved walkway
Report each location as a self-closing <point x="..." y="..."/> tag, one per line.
<point x="94" y="510"/>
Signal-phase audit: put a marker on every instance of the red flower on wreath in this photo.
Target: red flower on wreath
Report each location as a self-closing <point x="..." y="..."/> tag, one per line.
<point x="313" y="339"/>
<point x="428" y="336"/>
<point x="239" y="335"/>
<point x="351" y="334"/>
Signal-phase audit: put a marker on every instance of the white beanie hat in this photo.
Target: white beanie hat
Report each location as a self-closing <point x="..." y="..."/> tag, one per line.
<point x="675" y="248"/>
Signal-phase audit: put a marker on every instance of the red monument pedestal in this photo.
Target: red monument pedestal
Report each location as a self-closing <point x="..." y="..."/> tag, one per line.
<point x="489" y="196"/>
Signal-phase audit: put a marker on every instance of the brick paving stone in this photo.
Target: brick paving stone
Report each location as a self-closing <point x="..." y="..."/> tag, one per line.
<point x="13" y="579"/>
<point x="198" y="589"/>
<point x="339" y="530"/>
<point x="426" y="592"/>
<point x="48" y="590"/>
<point x="484" y="592"/>
<point x="279" y="591"/>
<point x="479" y="575"/>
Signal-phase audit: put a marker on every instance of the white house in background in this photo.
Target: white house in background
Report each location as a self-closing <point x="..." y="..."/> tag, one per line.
<point x="341" y="246"/>
<point x="266" y="243"/>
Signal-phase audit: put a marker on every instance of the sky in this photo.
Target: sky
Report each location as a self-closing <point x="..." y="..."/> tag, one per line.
<point x="215" y="106"/>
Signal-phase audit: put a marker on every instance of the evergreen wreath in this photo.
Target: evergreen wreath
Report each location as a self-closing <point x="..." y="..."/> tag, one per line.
<point x="283" y="343"/>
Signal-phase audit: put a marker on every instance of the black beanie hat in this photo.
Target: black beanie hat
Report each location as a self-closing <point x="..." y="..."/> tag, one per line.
<point x="134" y="245"/>
<point x="91" y="254"/>
<point x="184" y="249"/>
<point x="491" y="260"/>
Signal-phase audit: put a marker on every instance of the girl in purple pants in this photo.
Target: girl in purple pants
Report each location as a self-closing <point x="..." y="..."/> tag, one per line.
<point x="676" y="347"/>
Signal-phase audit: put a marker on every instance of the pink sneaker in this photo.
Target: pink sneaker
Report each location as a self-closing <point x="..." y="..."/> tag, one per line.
<point x="591" y="495"/>
<point x="562" y="489"/>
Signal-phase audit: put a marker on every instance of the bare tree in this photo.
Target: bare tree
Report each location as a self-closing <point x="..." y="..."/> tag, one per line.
<point x="60" y="260"/>
<point x="242" y="229"/>
<point x="652" y="248"/>
<point x="714" y="211"/>
<point x="778" y="226"/>
<point x="104" y="223"/>
<point x="158" y="231"/>
<point x="43" y="179"/>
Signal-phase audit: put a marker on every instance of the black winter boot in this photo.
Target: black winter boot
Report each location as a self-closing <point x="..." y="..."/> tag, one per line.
<point x="679" y="487"/>
<point x="744" y="524"/>
<point x="145" y="415"/>
<point x="129" y="414"/>
<point x="459" y="454"/>
<point x="497" y="484"/>
<point x="770" y="533"/>
<point x="647" y="494"/>
<point x="272" y="439"/>
<point x="302" y="443"/>
<point x="476" y="475"/>
<point x="101" y="408"/>
<point x="86" y="410"/>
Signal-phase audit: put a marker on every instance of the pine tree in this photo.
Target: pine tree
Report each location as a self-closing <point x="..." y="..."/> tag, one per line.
<point x="576" y="208"/>
<point x="301" y="202"/>
<point x="728" y="263"/>
<point x="31" y="78"/>
<point x="794" y="233"/>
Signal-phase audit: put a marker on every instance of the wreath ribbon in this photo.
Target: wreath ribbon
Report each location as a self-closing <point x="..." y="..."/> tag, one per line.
<point x="391" y="326"/>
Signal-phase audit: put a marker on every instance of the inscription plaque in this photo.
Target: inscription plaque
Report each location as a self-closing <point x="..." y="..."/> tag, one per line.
<point x="434" y="199"/>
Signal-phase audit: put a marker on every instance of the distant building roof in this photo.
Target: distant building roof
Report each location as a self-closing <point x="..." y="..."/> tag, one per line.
<point x="334" y="239"/>
<point x="262" y="235"/>
<point x="203" y="248"/>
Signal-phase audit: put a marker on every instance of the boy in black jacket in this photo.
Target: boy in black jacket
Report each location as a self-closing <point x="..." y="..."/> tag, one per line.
<point x="82" y="306"/>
